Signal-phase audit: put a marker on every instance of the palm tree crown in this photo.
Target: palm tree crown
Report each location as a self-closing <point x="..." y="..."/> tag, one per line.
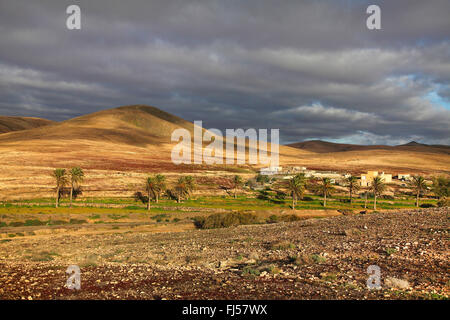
<point x="296" y="187"/>
<point x="184" y="187"/>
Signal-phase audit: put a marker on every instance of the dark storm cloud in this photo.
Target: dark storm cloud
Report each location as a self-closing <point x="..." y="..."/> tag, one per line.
<point x="310" y="68"/>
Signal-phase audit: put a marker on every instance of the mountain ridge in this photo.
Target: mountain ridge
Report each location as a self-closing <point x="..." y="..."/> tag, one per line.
<point x="15" y="123"/>
<point x="320" y="146"/>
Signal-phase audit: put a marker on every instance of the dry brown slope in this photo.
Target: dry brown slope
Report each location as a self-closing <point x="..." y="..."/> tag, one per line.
<point x="9" y="124"/>
<point x="131" y="125"/>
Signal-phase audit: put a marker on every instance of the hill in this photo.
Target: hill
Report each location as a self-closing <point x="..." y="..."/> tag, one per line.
<point x="9" y="124"/>
<point x="131" y="125"/>
<point x="319" y="146"/>
<point x="119" y="147"/>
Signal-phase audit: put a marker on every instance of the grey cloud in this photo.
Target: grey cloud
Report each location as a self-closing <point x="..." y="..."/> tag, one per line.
<point x="310" y="68"/>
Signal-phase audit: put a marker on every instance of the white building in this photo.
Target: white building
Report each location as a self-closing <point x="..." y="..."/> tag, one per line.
<point x="270" y="171"/>
<point x="404" y="176"/>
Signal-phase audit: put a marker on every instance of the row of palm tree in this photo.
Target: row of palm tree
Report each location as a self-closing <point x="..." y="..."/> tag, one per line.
<point x="155" y="186"/>
<point x="297" y="185"/>
<point x="73" y="177"/>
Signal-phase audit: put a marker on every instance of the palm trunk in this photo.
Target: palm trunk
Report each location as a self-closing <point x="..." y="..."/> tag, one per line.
<point x="365" y="200"/>
<point x="325" y="200"/>
<point x="351" y="199"/>
<point x="156" y="198"/>
<point x="148" y="203"/>
<point x="71" y="195"/>
<point x="178" y="199"/>
<point x="293" y="202"/>
<point x="375" y="202"/>
<point x="235" y="192"/>
<point x="57" y="197"/>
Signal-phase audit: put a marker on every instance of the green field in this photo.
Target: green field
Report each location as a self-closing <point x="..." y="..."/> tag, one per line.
<point x="241" y="203"/>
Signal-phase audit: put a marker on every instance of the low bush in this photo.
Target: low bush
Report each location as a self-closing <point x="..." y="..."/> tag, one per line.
<point x="249" y="271"/>
<point x="56" y="222"/>
<point x="282" y="245"/>
<point x="77" y="221"/>
<point x="443" y="202"/>
<point x="225" y="220"/>
<point x="289" y="218"/>
<point x="318" y="258"/>
<point x="34" y="222"/>
<point x="285" y="218"/>
<point x="16" y="224"/>
<point x="346" y="212"/>
<point x="273" y="219"/>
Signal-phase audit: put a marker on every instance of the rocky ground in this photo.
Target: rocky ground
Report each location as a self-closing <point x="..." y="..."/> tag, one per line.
<point x="310" y="259"/>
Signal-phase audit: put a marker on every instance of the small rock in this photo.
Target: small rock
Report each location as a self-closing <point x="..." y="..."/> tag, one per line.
<point x="392" y="282"/>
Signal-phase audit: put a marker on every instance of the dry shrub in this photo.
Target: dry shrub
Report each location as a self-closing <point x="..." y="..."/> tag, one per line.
<point x="225" y="220"/>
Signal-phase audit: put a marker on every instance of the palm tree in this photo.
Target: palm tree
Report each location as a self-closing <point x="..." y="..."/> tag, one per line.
<point x="237" y="182"/>
<point x="190" y="185"/>
<point x="419" y="186"/>
<point x="151" y="187"/>
<point x="378" y="188"/>
<point x="76" y="177"/>
<point x="352" y="185"/>
<point x="181" y="188"/>
<point x="325" y="189"/>
<point x="441" y="187"/>
<point x="160" y="185"/>
<point x="61" y="180"/>
<point x="294" y="189"/>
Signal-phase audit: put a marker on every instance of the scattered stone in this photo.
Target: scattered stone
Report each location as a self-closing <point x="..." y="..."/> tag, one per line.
<point x="396" y="283"/>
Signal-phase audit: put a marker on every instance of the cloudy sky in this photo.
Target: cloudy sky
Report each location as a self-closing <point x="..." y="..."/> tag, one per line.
<point x="310" y="68"/>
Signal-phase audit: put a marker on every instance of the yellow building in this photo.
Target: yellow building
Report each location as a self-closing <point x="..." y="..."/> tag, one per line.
<point x="366" y="179"/>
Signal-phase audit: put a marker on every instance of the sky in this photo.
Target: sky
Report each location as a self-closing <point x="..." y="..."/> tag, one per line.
<point x="309" y="68"/>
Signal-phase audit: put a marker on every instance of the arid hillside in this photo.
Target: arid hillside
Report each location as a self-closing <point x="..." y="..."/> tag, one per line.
<point x="9" y="124"/>
<point x="319" y="146"/>
<point x="118" y="147"/>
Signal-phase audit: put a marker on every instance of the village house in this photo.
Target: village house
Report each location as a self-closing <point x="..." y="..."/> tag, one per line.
<point x="366" y="179"/>
<point x="404" y="176"/>
<point x="270" y="171"/>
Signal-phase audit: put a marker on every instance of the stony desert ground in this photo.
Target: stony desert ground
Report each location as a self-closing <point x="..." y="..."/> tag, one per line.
<point x="309" y="259"/>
